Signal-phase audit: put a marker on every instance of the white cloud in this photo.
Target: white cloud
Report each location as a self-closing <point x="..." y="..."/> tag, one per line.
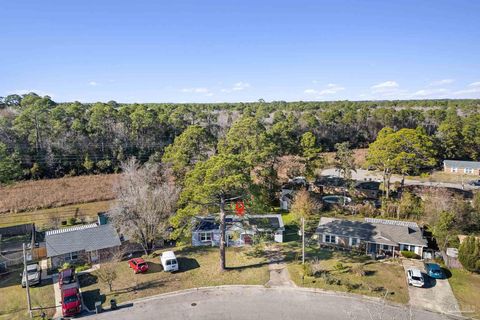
<point x="474" y="84"/>
<point x="441" y="82"/>
<point x="93" y="83"/>
<point x="385" y="86"/>
<point x="423" y="93"/>
<point x="195" y="90"/>
<point x="472" y="90"/>
<point x="239" y="86"/>
<point x="331" y="88"/>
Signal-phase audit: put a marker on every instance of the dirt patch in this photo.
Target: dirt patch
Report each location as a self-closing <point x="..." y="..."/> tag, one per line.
<point x="34" y="195"/>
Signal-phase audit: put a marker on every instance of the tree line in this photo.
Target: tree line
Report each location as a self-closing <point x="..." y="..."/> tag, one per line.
<point x="40" y="138"/>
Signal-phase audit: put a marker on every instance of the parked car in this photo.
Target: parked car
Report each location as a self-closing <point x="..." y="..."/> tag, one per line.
<point x="415" y="278"/>
<point x="33" y="271"/>
<point x="475" y="183"/>
<point x="71" y="302"/>
<point x="169" y="261"/>
<point x="138" y="265"/>
<point x="67" y="276"/>
<point x="434" y="271"/>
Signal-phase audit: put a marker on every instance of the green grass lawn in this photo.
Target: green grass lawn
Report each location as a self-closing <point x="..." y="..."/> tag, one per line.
<point x="466" y="287"/>
<point x="199" y="267"/>
<point x="13" y="302"/>
<point x="381" y="279"/>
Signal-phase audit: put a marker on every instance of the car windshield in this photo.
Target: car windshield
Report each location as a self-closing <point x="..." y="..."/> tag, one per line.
<point x="141" y="264"/>
<point x="170" y="262"/>
<point x="70" y="299"/>
<point x="416" y="278"/>
<point x="32" y="272"/>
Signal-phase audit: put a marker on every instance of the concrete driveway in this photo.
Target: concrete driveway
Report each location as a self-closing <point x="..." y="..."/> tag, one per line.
<point x="437" y="294"/>
<point x="258" y="302"/>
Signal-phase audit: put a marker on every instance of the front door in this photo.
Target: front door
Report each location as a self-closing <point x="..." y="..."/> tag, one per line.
<point x="94" y="256"/>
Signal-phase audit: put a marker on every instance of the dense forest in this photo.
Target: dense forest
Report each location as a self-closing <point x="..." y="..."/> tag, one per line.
<point x="40" y="138"/>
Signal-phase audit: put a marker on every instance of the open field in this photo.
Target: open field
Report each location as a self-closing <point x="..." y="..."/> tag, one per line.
<point x="50" y="217"/>
<point x="41" y="194"/>
<point x="466" y="288"/>
<point x="199" y="267"/>
<point x="13" y="302"/>
<point x="380" y="279"/>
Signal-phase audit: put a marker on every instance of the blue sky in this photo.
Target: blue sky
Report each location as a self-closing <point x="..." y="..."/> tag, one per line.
<point x="209" y="51"/>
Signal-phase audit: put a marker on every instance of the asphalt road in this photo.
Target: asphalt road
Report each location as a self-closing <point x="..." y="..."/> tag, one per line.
<point x="255" y="302"/>
<point x="364" y="175"/>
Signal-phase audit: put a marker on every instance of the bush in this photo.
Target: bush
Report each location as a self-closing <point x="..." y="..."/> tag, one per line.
<point x="82" y="267"/>
<point x="469" y="254"/>
<point x="410" y="254"/>
<point x="66" y="265"/>
<point x="72" y="221"/>
<point x="358" y="270"/>
<point x="314" y="268"/>
<point x="331" y="280"/>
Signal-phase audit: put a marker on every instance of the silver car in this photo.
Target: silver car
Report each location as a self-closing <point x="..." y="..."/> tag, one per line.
<point x="415" y="277"/>
<point x="33" y="271"/>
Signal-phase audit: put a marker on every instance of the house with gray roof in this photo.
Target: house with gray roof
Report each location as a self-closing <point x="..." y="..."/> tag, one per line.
<point x="90" y="243"/>
<point x="379" y="236"/>
<point x="462" y="167"/>
<point x="240" y="230"/>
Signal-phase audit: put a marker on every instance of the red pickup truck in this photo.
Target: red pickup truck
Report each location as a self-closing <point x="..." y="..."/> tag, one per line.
<point x="71" y="302"/>
<point x="138" y="265"/>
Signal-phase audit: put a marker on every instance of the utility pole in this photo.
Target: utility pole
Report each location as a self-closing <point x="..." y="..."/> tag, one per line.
<point x="27" y="286"/>
<point x="303" y="240"/>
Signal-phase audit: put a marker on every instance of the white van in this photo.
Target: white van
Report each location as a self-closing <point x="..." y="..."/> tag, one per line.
<point x="169" y="261"/>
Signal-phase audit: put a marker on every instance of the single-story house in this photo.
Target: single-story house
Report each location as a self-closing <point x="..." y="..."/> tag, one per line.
<point x="367" y="189"/>
<point x="371" y="235"/>
<point x="240" y="231"/>
<point x="462" y="167"/>
<point x="85" y="243"/>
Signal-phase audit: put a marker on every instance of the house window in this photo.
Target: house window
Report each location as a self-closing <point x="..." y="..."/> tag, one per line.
<point x="385" y="247"/>
<point x="453" y="169"/>
<point x="71" y="256"/>
<point x="468" y="170"/>
<point x="330" y="238"/>
<point x="205" y="236"/>
<point x="353" y="242"/>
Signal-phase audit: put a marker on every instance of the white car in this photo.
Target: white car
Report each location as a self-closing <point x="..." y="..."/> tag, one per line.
<point x="169" y="261"/>
<point x="415" y="278"/>
<point x="33" y="271"/>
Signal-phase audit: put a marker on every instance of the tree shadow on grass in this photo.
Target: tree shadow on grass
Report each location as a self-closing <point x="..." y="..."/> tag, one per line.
<point x="249" y="266"/>
<point x="92" y="296"/>
<point x="87" y="279"/>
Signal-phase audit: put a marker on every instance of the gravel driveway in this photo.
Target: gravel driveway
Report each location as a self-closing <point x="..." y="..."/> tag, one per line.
<point x="437" y="294"/>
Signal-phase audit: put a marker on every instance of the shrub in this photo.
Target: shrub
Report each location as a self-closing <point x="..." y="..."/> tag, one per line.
<point x="71" y="221"/>
<point x="339" y="266"/>
<point x="331" y="280"/>
<point x="469" y="254"/>
<point x="358" y="270"/>
<point x="410" y="254"/>
<point x="82" y="267"/>
<point x="66" y="265"/>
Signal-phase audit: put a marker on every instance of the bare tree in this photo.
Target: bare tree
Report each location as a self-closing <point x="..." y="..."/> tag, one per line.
<point x="107" y="274"/>
<point x="146" y="199"/>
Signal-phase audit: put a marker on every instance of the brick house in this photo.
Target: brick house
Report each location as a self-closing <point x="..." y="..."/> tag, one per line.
<point x="462" y="167"/>
<point x="90" y="243"/>
<point x="371" y="235"/>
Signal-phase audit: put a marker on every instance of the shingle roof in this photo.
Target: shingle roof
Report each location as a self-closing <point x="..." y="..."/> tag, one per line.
<point x="89" y="238"/>
<point x="461" y="164"/>
<point x="261" y="222"/>
<point x="389" y="232"/>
